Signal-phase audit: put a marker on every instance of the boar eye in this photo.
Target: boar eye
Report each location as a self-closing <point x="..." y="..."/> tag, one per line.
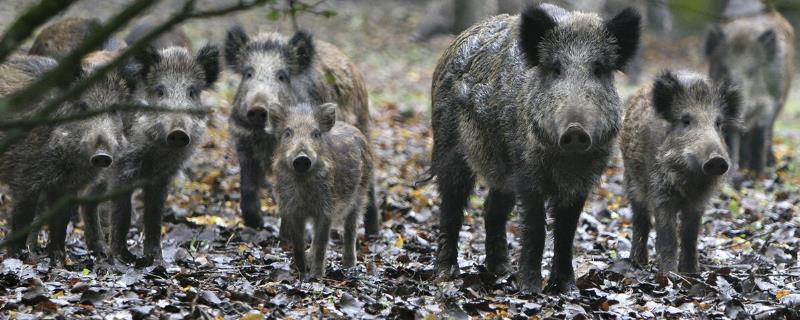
<point x="556" y="69"/>
<point x="160" y="91"/>
<point x="283" y="77"/>
<point x="316" y="134"/>
<point x="287" y="133"/>
<point x="719" y="123"/>
<point x="686" y="120"/>
<point x="193" y="93"/>
<point x="597" y="69"/>
<point x="83" y="106"/>
<point x="248" y="74"/>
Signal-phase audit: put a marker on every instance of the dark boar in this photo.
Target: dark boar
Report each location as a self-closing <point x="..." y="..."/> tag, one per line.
<point x="757" y="53"/>
<point x="280" y="71"/>
<point x="527" y="103"/>
<point x="59" y="38"/>
<point x="675" y="158"/>
<point x="158" y="143"/>
<point x="176" y="37"/>
<point x="54" y="162"/>
<point x="323" y="170"/>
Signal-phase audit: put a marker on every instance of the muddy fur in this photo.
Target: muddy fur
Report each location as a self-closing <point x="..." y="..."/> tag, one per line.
<point x="59" y="38"/>
<point x="756" y="52"/>
<point x="503" y="94"/>
<point x="276" y="70"/>
<point x="671" y="128"/>
<point x="333" y="190"/>
<point x="54" y="162"/>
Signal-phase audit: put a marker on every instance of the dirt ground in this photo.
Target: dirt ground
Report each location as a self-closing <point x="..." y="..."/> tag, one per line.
<point x="216" y="268"/>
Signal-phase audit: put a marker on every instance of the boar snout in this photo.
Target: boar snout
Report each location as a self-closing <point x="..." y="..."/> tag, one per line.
<point x="715" y="166"/>
<point x="101" y="160"/>
<point x="257" y="115"/>
<point x="178" y="138"/>
<point x="301" y="163"/>
<point x="575" y="139"/>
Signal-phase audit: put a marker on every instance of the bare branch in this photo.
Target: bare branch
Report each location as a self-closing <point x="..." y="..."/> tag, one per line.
<point x="28" y="123"/>
<point x="185" y="13"/>
<point x="61" y="205"/>
<point x="59" y="76"/>
<point x="23" y="27"/>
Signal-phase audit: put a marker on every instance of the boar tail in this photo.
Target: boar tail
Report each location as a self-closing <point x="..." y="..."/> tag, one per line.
<point x="424" y="178"/>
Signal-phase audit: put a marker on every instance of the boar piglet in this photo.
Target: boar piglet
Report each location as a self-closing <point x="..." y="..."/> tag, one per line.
<point x="527" y="103"/>
<point x="280" y="71"/>
<point x="53" y="162"/>
<point x="158" y="143"/>
<point x="756" y="52"/>
<point x="323" y="170"/>
<point x="675" y="158"/>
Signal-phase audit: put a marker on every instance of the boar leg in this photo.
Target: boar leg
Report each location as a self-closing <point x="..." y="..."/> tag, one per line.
<point x="533" y="234"/>
<point x="690" y="228"/>
<point x="24" y="210"/>
<point x="455" y="182"/>
<point x="57" y="227"/>
<point x="641" y="232"/>
<point x="120" y="225"/>
<point x="350" y="233"/>
<point x="93" y="231"/>
<point x="319" y="245"/>
<point x="296" y="232"/>
<point x="566" y="214"/>
<point x="371" y="216"/>
<point x="733" y="139"/>
<point x="155" y="194"/>
<point x="760" y="148"/>
<point x="496" y="208"/>
<point x="666" y="237"/>
<point x="252" y="174"/>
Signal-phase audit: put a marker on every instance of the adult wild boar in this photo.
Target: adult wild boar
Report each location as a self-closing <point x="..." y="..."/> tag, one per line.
<point x="53" y="162"/>
<point x="528" y="104"/>
<point x="176" y="37"/>
<point x="675" y="158"/>
<point x="278" y="71"/>
<point x="756" y="52"/>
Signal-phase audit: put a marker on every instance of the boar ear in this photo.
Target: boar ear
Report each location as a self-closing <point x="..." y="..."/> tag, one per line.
<point x="146" y="58"/>
<point x="326" y="116"/>
<point x="208" y="59"/>
<point x="665" y="88"/>
<point x="534" y="24"/>
<point x="626" y="29"/>
<point x="769" y="41"/>
<point x="301" y="51"/>
<point x="130" y="74"/>
<point x="714" y="38"/>
<point x="235" y="42"/>
<point x="732" y="100"/>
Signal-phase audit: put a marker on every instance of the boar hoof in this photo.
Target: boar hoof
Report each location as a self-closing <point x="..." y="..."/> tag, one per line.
<point x="639" y="260"/>
<point x="446" y="273"/>
<point x="530" y="286"/>
<point x="57" y="259"/>
<point x="125" y="256"/>
<point x="253" y="220"/>
<point x="498" y="268"/>
<point x="558" y="285"/>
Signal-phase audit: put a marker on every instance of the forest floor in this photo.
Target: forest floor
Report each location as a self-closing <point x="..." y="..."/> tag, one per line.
<point x="215" y="268"/>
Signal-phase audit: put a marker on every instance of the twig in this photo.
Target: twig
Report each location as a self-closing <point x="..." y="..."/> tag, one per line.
<point x="62" y="204"/>
<point x="58" y="77"/>
<point x="23" y="27"/>
<point x="39" y="121"/>
<point x="74" y="91"/>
